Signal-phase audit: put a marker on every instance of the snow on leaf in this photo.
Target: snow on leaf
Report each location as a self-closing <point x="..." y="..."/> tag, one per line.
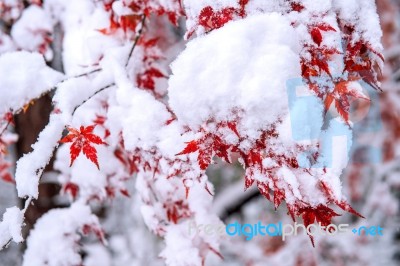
<point x="321" y="214"/>
<point x="249" y="181"/>
<point x="24" y="76"/>
<point x="279" y="196"/>
<point x="341" y="97"/>
<point x="10" y="227"/>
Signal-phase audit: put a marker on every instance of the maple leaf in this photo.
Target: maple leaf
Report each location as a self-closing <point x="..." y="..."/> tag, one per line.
<point x="205" y="158"/>
<point x="129" y="22"/>
<point x="321" y="214"/>
<point x="340" y="95"/>
<point x="93" y="228"/>
<point x="148" y="43"/>
<point x="346" y="207"/>
<point x="242" y="10"/>
<point x="207" y="147"/>
<point x="5" y="174"/>
<point x="211" y="19"/>
<point x="279" y="196"/>
<point x="71" y="188"/>
<point x="316" y="32"/>
<point x="264" y="190"/>
<point x="81" y="141"/>
<point x="9" y="118"/>
<point x="232" y="126"/>
<point x="125" y="193"/>
<point x="248" y="181"/>
<point x="358" y="60"/>
<point x="146" y="80"/>
<point x="316" y="36"/>
<point x="190" y="147"/>
<point x="111" y="29"/>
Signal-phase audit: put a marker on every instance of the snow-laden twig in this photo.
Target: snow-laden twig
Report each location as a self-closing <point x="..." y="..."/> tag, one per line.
<point x="139" y="34"/>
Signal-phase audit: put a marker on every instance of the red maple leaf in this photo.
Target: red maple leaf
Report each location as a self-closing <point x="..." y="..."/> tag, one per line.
<point x="81" y="141"/>
<point x="211" y="19"/>
<point x="146" y="80"/>
<point x="321" y="214"/>
<point x="316" y="36"/>
<point x="358" y="60"/>
<point x="341" y="95"/>
<point x="190" y="147"/>
<point x="71" y="188"/>
<point x="316" y="32"/>
<point x="5" y="174"/>
<point x="207" y="146"/>
<point x="297" y="7"/>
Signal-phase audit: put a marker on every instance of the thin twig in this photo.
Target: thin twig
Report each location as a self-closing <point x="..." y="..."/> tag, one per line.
<point x="136" y="39"/>
<point x="6" y="244"/>
<point x="90" y="97"/>
<point x="27" y="203"/>
<point x="87" y="73"/>
<point x="5" y="128"/>
<point x="135" y="42"/>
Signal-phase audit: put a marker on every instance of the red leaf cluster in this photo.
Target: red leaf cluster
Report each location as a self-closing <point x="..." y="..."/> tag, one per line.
<point x="176" y="211"/>
<point x="358" y="61"/>
<point x="212" y="19"/>
<point x="357" y="65"/>
<point x="139" y="8"/>
<point x="146" y="80"/>
<point x="5" y="175"/>
<point x="296" y="6"/>
<point x="210" y="145"/>
<point x="92" y="228"/>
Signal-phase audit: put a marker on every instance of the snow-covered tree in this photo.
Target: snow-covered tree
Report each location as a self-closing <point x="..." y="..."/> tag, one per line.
<point x="156" y="97"/>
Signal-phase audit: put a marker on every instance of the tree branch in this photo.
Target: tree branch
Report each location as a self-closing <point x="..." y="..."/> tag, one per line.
<point x="94" y="94"/>
<point x="136" y="39"/>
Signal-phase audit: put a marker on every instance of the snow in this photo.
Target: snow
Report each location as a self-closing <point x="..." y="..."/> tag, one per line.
<point x="293" y="185"/>
<point x="361" y="14"/>
<point x="247" y="71"/>
<point x="6" y="43"/>
<point x="10" y="227"/>
<point x="10" y="10"/>
<point x="31" y="165"/>
<point x="62" y="227"/>
<point x="121" y="9"/>
<point x="24" y="76"/>
<point x="139" y="128"/>
<point x="317" y="6"/>
<point x="180" y="250"/>
<point x="31" y="30"/>
<point x="194" y="7"/>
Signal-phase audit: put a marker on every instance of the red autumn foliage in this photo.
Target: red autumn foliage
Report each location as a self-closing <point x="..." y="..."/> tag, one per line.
<point x="82" y="140"/>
